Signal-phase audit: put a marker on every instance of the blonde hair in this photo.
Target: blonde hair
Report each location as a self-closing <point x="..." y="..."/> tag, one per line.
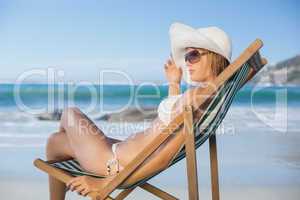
<point x="217" y="62"/>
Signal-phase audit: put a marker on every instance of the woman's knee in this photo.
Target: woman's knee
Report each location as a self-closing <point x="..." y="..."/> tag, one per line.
<point x="76" y="122"/>
<point x="70" y="111"/>
<point x="69" y="116"/>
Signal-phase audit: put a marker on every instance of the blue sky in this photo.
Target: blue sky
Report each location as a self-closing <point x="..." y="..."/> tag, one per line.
<point x="84" y="37"/>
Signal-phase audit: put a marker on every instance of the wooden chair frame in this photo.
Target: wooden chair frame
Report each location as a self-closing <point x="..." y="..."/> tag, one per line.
<point x="185" y="118"/>
<point x="191" y="170"/>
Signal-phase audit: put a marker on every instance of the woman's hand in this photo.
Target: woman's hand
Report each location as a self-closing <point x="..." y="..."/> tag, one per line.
<point x="84" y="185"/>
<point x="173" y="73"/>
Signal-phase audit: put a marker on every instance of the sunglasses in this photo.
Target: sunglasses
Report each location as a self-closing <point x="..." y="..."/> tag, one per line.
<point x="194" y="56"/>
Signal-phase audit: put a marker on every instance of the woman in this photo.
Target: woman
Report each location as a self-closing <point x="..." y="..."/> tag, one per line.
<point x="201" y="55"/>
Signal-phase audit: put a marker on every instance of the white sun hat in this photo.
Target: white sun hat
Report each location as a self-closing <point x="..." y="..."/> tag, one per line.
<point x="211" y="38"/>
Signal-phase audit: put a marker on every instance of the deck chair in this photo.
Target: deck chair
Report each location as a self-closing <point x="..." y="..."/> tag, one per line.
<point x="226" y="85"/>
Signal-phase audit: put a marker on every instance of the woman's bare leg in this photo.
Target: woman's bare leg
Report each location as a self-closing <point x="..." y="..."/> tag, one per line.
<point x="57" y="148"/>
<point x="91" y="147"/>
<point x="78" y="138"/>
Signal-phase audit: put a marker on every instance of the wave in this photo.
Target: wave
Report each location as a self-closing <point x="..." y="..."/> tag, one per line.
<point x="22" y="135"/>
<point x="13" y="145"/>
<point x="7" y="117"/>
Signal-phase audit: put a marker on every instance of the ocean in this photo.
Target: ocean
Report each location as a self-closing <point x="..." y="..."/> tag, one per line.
<point x="258" y="141"/>
<point x="112" y="96"/>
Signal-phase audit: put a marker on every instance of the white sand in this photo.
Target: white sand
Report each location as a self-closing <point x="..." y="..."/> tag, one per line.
<point x="38" y="189"/>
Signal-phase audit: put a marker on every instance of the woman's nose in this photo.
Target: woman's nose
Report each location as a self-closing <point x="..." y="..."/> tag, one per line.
<point x="189" y="65"/>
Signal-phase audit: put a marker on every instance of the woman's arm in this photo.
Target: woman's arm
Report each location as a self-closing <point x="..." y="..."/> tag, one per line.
<point x="173" y="74"/>
<point x="174" y="88"/>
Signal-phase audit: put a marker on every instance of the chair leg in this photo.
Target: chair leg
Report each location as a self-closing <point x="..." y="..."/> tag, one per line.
<point x="96" y="198"/>
<point x="214" y="167"/>
<point x="157" y="192"/>
<point x="190" y="154"/>
<point x="124" y="194"/>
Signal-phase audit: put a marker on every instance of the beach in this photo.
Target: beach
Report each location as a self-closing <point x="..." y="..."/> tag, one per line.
<point x="116" y="61"/>
<point x="258" y="149"/>
<point x="38" y="190"/>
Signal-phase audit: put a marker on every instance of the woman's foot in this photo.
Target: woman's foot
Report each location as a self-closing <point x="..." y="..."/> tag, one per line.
<point x="83" y="185"/>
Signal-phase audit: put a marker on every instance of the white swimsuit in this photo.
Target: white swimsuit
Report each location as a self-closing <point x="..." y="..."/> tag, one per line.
<point x="113" y="164"/>
<point x="165" y="108"/>
<point x="164" y="113"/>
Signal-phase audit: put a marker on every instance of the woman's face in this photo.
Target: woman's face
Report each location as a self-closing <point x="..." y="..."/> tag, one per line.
<point x="201" y="70"/>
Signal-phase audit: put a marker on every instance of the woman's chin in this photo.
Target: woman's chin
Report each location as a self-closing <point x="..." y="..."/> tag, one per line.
<point x="200" y="79"/>
<point x="196" y="79"/>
